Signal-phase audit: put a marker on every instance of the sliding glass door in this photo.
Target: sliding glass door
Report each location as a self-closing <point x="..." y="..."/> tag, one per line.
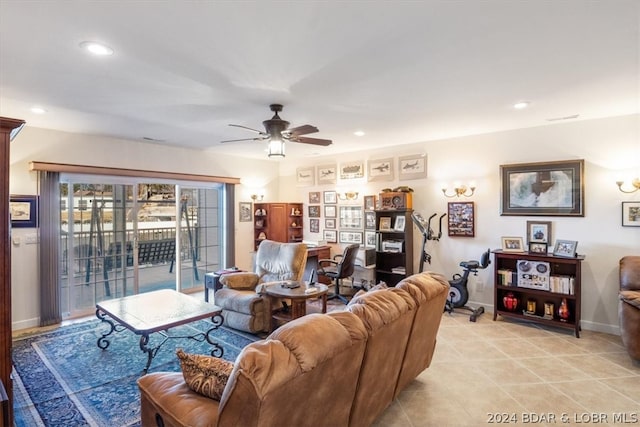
<point x="120" y="238"/>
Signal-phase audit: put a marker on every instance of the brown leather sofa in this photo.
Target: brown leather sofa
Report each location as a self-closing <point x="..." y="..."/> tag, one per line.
<point x="629" y="305"/>
<point x="335" y="369"/>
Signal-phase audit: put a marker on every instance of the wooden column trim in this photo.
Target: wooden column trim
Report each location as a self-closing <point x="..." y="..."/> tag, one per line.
<point x="6" y="126"/>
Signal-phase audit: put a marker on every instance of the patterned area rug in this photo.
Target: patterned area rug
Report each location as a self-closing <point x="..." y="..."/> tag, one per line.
<point x="62" y="378"/>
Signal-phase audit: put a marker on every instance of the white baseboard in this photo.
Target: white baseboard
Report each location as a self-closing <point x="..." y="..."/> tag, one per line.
<point x="600" y="327"/>
<point x="25" y="324"/>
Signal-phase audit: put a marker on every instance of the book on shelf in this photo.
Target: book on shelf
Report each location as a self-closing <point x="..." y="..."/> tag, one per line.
<point x="399" y="270"/>
<point x="562" y="284"/>
<point x="507" y="277"/>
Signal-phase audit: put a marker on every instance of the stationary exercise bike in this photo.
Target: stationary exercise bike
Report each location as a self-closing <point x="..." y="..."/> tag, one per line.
<point x="458" y="293"/>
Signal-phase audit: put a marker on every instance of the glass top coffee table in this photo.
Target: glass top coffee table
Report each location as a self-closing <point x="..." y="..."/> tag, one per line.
<point x="157" y="312"/>
<point x="298" y="296"/>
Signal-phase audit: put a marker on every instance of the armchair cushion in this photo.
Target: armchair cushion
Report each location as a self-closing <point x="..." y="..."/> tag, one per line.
<point x="206" y="375"/>
<point x="240" y="280"/>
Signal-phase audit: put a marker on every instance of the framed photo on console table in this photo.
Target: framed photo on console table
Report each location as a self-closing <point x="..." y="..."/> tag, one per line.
<point x="565" y="248"/>
<point x="512" y="244"/>
<point x="549" y="188"/>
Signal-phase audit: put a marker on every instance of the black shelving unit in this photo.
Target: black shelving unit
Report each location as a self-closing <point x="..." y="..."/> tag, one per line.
<point x="394" y="245"/>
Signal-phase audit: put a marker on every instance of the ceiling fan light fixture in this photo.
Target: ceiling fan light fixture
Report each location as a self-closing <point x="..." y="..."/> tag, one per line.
<point x="276" y="148"/>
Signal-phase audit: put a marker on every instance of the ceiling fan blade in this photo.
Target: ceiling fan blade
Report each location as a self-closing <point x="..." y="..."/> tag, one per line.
<point x="243" y="139"/>
<point x="302" y="130"/>
<point x="314" y="141"/>
<point x="251" y="129"/>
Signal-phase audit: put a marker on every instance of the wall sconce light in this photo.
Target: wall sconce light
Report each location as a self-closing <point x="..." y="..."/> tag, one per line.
<point x="460" y="190"/>
<point x="635" y="182"/>
<point x="255" y="197"/>
<point x="348" y="195"/>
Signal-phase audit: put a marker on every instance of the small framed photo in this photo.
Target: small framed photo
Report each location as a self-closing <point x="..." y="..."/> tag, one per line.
<point x="351" y="217"/>
<point x="305" y="176"/>
<point x="539" y="232"/>
<point x="369" y="239"/>
<point x="512" y="244"/>
<point x="327" y="174"/>
<point x="369" y="203"/>
<point x="351" y="237"/>
<point x="538" y="248"/>
<point x="412" y="167"/>
<point x="352" y="170"/>
<point x="565" y="248"/>
<point x="461" y="219"/>
<point x="399" y="223"/>
<point x="245" y="211"/>
<point x="631" y="214"/>
<point x="369" y="220"/>
<point x="23" y="211"/>
<point x="330" y="197"/>
<point x="385" y="223"/>
<point x="314" y="225"/>
<point x="380" y="170"/>
<point x="330" y="223"/>
<point x="314" y="211"/>
<point x="331" y="236"/>
<point x="314" y="197"/>
<point x="330" y="212"/>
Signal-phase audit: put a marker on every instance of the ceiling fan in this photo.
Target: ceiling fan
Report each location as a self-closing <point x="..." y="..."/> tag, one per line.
<point x="277" y="131"/>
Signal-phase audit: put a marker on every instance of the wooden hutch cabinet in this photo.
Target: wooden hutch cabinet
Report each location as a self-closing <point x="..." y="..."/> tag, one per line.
<point x="6" y="127"/>
<point x="541" y="288"/>
<point x="394" y="245"/>
<point x="280" y="222"/>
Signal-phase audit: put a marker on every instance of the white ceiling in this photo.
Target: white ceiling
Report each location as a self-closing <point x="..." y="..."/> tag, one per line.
<point x="403" y="71"/>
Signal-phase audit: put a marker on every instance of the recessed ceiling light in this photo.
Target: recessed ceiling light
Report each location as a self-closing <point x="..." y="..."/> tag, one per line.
<point x="521" y="105"/>
<point x="96" y="48"/>
<point x="359" y="133"/>
<point x="38" y="110"/>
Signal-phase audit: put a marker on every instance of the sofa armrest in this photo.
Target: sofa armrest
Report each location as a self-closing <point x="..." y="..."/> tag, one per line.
<point x="631" y="297"/>
<point x="240" y="281"/>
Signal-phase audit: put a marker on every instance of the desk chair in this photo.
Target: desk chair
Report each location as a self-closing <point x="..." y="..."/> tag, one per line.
<point x="338" y="270"/>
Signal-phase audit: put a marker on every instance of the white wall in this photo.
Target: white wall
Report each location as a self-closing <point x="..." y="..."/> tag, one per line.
<point x="607" y="146"/>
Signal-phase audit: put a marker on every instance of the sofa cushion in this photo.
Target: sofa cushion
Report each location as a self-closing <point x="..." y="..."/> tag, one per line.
<point x="387" y="315"/>
<point x="311" y="363"/>
<point x="206" y="375"/>
<point x="165" y="396"/>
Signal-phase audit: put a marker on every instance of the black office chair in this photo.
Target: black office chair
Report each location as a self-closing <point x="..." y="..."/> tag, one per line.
<point x="337" y="271"/>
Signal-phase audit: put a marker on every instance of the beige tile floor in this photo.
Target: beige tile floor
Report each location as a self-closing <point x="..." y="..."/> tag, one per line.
<point x="506" y="372"/>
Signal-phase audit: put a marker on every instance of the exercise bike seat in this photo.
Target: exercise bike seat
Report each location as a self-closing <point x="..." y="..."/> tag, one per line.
<point x="471" y="265"/>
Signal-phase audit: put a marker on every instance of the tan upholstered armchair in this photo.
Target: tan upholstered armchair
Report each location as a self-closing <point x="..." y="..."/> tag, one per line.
<point x="243" y="305"/>
<point x="629" y="305"/>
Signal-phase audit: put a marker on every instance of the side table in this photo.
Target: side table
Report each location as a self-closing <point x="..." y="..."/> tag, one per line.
<point x="298" y="297"/>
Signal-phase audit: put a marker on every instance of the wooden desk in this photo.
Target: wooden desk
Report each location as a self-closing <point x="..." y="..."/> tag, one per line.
<point x="314" y="254"/>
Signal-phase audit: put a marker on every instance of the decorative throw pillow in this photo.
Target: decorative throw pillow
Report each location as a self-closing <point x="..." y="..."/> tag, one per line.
<point x="206" y="375"/>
